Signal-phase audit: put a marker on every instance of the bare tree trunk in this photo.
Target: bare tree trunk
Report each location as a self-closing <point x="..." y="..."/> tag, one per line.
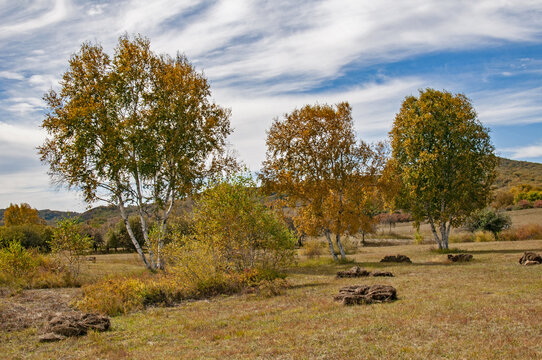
<point x="340" y="245"/>
<point x="434" y="231"/>
<point x="131" y="233"/>
<point x="328" y="237"/>
<point x="165" y="217"/>
<point x="363" y="238"/>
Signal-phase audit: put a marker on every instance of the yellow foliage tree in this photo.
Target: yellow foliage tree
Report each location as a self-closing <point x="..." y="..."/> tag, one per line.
<point x="21" y="214"/>
<point x="314" y="159"/>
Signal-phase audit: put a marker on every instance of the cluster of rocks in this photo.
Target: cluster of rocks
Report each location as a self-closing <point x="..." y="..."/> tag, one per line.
<point x="357" y="271"/>
<point x="460" y="257"/>
<point x="62" y="326"/>
<point x="396" y="258"/>
<point x="530" y="258"/>
<point x="366" y="294"/>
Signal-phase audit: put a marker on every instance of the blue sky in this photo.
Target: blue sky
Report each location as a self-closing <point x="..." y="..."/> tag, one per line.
<point x="265" y="58"/>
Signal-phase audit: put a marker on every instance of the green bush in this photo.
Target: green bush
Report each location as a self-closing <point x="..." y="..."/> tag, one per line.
<point x="488" y="220"/>
<point x="240" y="230"/>
<point x="35" y="236"/>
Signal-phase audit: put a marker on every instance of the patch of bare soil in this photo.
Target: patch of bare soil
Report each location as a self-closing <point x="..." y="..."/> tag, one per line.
<point x="34" y="308"/>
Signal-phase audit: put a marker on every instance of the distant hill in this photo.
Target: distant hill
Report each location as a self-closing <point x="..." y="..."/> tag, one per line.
<point x="513" y="172"/>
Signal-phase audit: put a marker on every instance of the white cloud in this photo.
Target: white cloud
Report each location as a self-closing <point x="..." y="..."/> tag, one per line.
<point x="39" y="14"/>
<point x="524" y="152"/>
<point x="509" y="106"/>
<point x="11" y="75"/>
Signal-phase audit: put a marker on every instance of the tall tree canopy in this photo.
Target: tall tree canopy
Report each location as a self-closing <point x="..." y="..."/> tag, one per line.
<point x="444" y="159"/>
<point x="136" y="128"/>
<point x="314" y="159"/>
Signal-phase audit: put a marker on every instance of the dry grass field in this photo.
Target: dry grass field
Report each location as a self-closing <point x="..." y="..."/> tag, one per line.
<point x="486" y="309"/>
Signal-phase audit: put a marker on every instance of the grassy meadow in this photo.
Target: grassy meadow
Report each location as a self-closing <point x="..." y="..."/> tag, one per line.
<point x="486" y="309"/>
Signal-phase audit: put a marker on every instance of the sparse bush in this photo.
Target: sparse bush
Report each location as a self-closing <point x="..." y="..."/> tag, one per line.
<point x="523" y="204"/>
<point x="537" y="204"/>
<point x="462" y="237"/>
<point x="503" y="199"/>
<point x="483" y="236"/>
<point x="68" y="244"/>
<point x="27" y="269"/>
<point x="418" y="238"/>
<point x="313" y="248"/>
<point x="270" y="288"/>
<point x="350" y="245"/>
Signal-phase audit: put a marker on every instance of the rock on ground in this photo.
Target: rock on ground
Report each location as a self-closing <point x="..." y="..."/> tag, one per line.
<point x="366" y="294"/>
<point x="530" y="258"/>
<point x="396" y="258"/>
<point x="459" y="257"/>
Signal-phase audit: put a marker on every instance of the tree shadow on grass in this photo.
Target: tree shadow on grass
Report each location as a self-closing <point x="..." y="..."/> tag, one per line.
<point x="308" y="285"/>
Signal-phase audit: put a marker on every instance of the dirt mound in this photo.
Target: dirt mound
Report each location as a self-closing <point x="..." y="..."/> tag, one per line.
<point x="530" y="258"/>
<point x="366" y="294"/>
<point x="33" y="308"/>
<point x="460" y="257"/>
<point x="63" y="326"/>
<point x="356" y="271"/>
<point x="396" y="258"/>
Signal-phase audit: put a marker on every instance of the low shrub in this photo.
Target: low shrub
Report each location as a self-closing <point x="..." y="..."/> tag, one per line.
<point x="523" y="204"/>
<point x="122" y="295"/>
<point x="524" y="232"/>
<point x="483" y="236"/>
<point x="270" y="288"/>
<point x="538" y="204"/>
<point x="21" y="268"/>
<point x="418" y="238"/>
<point x="313" y="248"/>
<point x="462" y="237"/>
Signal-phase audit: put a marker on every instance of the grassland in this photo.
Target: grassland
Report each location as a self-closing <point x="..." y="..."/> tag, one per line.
<point x="487" y="309"/>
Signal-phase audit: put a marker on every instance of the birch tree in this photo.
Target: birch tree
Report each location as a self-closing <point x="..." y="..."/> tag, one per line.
<point x="135" y="129"/>
<point x="444" y="159"/>
<point x="314" y="159"/>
